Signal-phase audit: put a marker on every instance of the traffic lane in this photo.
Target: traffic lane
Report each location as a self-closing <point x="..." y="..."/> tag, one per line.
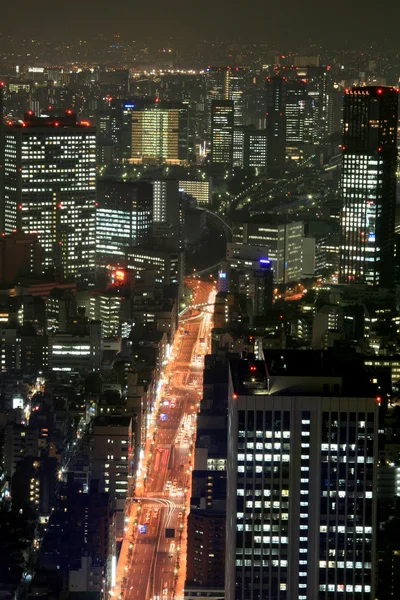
<point x="139" y="568"/>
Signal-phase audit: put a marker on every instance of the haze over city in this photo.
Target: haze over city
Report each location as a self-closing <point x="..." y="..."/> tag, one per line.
<point x="199" y="301"/>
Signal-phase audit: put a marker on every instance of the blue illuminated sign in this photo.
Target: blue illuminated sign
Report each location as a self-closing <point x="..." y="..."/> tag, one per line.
<point x="163" y="417"/>
<point x="222" y="275"/>
<point x="129" y="106"/>
<point x="142" y="528"/>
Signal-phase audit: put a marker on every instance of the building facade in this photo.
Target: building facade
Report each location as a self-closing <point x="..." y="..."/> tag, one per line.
<point x="50" y="189"/>
<point x="124" y="218"/>
<point x="222" y="125"/>
<point x="368" y="187"/>
<point x="160" y="133"/>
<point x="301" y="482"/>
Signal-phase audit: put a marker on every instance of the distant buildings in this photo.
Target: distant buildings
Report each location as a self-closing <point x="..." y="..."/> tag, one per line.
<point x="50" y="189"/>
<point x="368" y="186"/>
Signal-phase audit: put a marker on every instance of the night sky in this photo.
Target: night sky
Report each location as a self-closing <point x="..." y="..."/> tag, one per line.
<point x="288" y="22"/>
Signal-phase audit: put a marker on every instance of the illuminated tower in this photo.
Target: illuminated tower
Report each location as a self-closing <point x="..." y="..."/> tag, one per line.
<point x="160" y="133"/>
<point x="50" y="189"/>
<point x="123" y="219"/>
<point x="222" y="119"/>
<point x="234" y="89"/>
<point x="369" y="161"/>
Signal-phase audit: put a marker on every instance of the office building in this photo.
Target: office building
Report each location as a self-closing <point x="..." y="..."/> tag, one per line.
<point x="368" y="186"/>
<point x="166" y="201"/>
<point x="165" y="267"/>
<point x="123" y="219"/>
<point x="200" y="190"/>
<point x="302" y="455"/>
<point x="296" y="253"/>
<point x="50" y="189"/>
<point x="276" y="125"/>
<point x="250" y="148"/>
<point x="20" y="256"/>
<point x="261" y="288"/>
<point x="215" y="90"/>
<point x="168" y="217"/>
<point x="160" y="133"/>
<point x="222" y="122"/>
<point x="106" y="307"/>
<point x="76" y="352"/>
<point x="235" y="90"/>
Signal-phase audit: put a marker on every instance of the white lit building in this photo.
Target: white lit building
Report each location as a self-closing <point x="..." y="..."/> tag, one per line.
<point x="301" y="487"/>
<point x="50" y="189"/>
<point x="201" y="190"/>
<point x="123" y="219"/>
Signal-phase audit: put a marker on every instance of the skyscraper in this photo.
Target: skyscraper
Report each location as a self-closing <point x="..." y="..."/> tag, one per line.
<point x="160" y="133"/>
<point x="222" y="119"/>
<point x="276" y="125"/>
<point x="50" y="189"/>
<point x="123" y="219"/>
<point x="302" y="450"/>
<point x="368" y="190"/>
<point x="234" y="89"/>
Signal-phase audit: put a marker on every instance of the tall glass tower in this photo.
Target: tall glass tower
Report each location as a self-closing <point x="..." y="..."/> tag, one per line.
<point x="369" y="161"/>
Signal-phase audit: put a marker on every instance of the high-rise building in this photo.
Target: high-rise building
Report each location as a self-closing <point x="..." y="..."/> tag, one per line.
<point x="302" y="455"/>
<point x="296" y="253"/>
<point x="160" y="133"/>
<point x="250" y="147"/>
<point x="222" y="120"/>
<point x="50" y="189"/>
<point x="123" y="219"/>
<point x="235" y="90"/>
<point x="276" y="125"/>
<point x="214" y="90"/>
<point x="368" y="187"/>
<point x="167" y="213"/>
<point x="262" y="288"/>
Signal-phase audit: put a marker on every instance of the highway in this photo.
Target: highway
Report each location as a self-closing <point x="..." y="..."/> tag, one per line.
<point x="151" y="565"/>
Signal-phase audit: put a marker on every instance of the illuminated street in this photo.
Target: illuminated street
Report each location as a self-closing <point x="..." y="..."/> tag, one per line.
<point x="153" y="566"/>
